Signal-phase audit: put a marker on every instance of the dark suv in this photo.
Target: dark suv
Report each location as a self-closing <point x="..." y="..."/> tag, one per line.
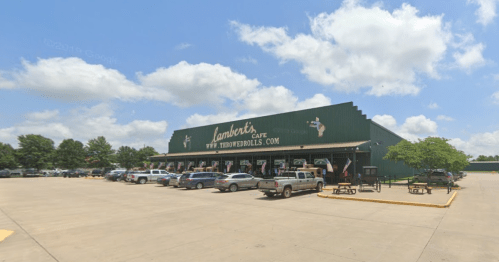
<point x="96" y="172"/>
<point x="198" y="179"/>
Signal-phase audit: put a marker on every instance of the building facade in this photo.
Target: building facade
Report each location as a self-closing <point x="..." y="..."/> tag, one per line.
<point x="338" y="134"/>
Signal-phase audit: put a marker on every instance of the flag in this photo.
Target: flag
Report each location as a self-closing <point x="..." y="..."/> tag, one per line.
<point x="305" y="164"/>
<point x="347" y="164"/>
<point x="346" y="173"/>
<point x="145" y="165"/>
<point x="160" y="164"/>
<point x="263" y="167"/>
<point x="151" y="166"/>
<point x="214" y="164"/>
<point x="282" y="165"/>
<point x="179" y="165"/>
<point x="201" y="164"/>
<point x="189" y="166"/>
<point x="329" y="167"/>
<point x="228" y="167"/>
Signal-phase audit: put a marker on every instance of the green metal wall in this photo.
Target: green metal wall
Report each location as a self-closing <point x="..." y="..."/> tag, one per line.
<point x="483" y="166"/>
<point x="381" y="139"/>
<point x="342" y="122"/>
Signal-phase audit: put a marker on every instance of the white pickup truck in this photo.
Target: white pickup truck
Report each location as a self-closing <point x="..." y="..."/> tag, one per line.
<point x="290" y="181"/>
<point x="149" y="176"/>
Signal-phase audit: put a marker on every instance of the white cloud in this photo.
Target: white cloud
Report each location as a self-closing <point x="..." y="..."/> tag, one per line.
<point x="86" y="123"/>
<point x="495" y="96"/>
<point x="6" y="84"/>
<point x="414" y="127"/>
<point x="264" y="101"/>
<point x="470" y="54"/>
<point x="42" y="116"/>
<point x="248" y="59"/>
<point x="479" y="144"/>
<point x="445" y="118"/>
<point x="189" y="84"/>
<point x="384" y="53"/>
<point x="72" y="79"/>
<point x="486" y="12"/>
<point x="387" y="121"/>
<point x="183" y="46"/>
<point x="433" y="106"/>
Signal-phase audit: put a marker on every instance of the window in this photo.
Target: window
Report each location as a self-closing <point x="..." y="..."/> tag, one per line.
<point x="238" y="176"/>
<point x="301" y="175"/>
<point x="155" y="172"/>
<point x="248" y="176"/>
<point x="309" y="175"/>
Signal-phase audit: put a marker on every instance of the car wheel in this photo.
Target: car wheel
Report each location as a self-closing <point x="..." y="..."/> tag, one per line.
<point x="270" y="194"/>
<point x="221" y="190"/>
<point x="199" y="185"/>
<point x="142" y="181"/>
<point x="319" y="187"/>
<point x="258" y="185"/>
<point x="287" y="192"/>
<point x="118" y="179"/>
<point x="175" y="186"/>
<point x="233" y="188"/>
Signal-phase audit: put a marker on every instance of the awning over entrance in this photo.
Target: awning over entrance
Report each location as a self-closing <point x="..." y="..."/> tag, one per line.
<point x="270" y="149"/>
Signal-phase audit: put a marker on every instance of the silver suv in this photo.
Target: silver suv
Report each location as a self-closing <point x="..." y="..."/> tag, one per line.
<point x="236" y="181"/>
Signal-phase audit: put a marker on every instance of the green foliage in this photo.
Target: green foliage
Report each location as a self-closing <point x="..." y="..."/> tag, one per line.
<point x="487" y="158"/>
<point x="7" y="156"/>
<point x="35" y="151"/>
<point x="143" y="154"/>
<point x="428" y="154"/>
<point x="70" y="154"/>
<point x="126" y="156"/>
<point x="100" y="152"/>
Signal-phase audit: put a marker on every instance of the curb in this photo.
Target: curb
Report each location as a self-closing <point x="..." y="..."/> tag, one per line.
<point x="390" y="201"/>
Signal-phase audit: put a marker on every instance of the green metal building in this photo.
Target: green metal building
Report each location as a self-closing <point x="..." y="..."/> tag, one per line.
<point x="337" y="133"/>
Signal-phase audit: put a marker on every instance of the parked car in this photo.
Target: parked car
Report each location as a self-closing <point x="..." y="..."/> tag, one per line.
<point x="463" y="174"/>
<point x="74" y="173"/>
<point x="236" y="181"/>
<point x="5" y="173"/>
<point x="438" y="176"/>
<point x="96" y="172"/>
<point x="198" y="179"/>
<point x="175" y="181"/>
<point x="114" y="175"/>
<point x="147" y="176"/>
<point x="30" y="172"/>
<point x="165" y="180"/>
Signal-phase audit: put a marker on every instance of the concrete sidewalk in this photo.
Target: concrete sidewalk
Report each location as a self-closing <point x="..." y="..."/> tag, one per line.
<point x="395" y="195"/>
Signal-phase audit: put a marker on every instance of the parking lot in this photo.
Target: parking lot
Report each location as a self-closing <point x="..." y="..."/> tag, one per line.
<point x="58" y="219"/>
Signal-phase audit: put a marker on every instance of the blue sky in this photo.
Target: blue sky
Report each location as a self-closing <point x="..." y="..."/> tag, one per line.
<point x="135" y="71"/>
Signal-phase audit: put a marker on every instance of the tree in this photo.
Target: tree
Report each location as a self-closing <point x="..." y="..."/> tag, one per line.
<point x="143" y="154"/>
<point x="7" y="156"/>
<point x="428" y="154"/>
<point x="100" y="152"/>
<point x="487" y="158"/>
<point x="126" y="156"/>
<point x="35" y="151"/>
<point x="71" y="154"/>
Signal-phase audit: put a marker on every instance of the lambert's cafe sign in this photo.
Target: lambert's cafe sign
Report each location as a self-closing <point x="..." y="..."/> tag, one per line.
<point x="248" y="134"/>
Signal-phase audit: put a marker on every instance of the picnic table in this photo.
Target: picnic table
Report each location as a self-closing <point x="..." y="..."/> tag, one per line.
<point x="416" y="187"/>
<point x="344" y="188"/>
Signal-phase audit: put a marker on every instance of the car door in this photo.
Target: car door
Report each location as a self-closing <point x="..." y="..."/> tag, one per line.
<point x="301" y="183"/>
<point x="249" y="181"/>
<point x="310" y="178"/>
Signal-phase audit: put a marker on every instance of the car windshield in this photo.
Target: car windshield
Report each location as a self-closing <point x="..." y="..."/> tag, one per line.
<point x="223" y="177"/>
<point x="288" y="174"/>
